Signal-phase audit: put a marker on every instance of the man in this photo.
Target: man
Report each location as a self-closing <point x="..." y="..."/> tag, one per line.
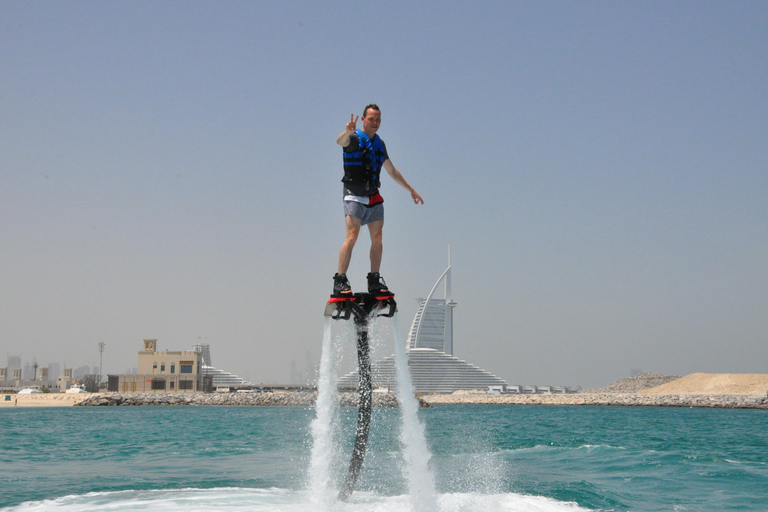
<point x="364" y="156"/>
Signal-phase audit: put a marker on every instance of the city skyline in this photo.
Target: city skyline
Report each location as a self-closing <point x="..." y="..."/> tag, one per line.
<point x="17" y="361"/>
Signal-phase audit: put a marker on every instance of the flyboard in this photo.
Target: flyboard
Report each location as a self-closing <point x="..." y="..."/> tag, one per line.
<point x="361" y="307"/>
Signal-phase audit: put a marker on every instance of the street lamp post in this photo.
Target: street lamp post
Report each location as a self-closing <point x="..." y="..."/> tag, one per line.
<point x="101" y="354"/>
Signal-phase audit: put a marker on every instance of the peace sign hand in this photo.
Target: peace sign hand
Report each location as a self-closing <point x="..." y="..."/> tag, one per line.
<point x="352" y="124"/>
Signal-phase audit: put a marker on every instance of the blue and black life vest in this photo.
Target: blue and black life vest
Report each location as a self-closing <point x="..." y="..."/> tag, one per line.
<point x="363" y="166"/>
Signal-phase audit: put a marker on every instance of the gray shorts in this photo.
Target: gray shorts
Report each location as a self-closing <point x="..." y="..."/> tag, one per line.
<point x="366" y="214"/>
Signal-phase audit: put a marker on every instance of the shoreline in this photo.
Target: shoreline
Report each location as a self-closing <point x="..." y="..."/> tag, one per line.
<point x="719" y="401"/>
<point x="307" y="399"/>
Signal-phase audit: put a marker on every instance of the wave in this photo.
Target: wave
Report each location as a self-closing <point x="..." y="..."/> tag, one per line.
<point x="589" y="448"/>
<point x="225" y="499"/>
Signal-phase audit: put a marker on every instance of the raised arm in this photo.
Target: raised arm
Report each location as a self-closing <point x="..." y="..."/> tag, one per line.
<point x="343" y="138"/>
<point x="398" y="177"/>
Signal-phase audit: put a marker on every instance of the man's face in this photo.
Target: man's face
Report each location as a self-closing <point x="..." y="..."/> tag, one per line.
<point x="371" y="121"/>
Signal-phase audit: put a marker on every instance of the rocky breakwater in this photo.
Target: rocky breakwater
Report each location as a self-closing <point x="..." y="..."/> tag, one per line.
<point x="609" y="399"/>
<point x="284" y="399"/>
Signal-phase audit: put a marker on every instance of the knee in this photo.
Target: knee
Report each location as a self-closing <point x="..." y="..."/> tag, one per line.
<point x="352" y="235"/>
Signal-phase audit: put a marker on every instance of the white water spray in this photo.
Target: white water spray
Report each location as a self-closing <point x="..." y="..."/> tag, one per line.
<point x="421" y="484"/>
<point x="416" y="455"/>
<point x="323" y="424"/>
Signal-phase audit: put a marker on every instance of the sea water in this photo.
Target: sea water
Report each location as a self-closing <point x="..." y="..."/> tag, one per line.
<point x="483" y="458"/>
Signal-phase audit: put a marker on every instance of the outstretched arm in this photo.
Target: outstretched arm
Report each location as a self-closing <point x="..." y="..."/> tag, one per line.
<point x="398" y="177"/>
<point x="343" y="138"/>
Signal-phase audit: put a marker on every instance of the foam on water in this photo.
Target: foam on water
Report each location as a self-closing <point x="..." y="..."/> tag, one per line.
<point x="281" y="500"/>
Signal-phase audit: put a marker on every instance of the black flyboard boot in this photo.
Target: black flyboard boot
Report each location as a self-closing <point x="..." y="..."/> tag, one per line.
<point x="338" y="305"/>
<point x="341" y="287"/>
<point x="377" y="287"/>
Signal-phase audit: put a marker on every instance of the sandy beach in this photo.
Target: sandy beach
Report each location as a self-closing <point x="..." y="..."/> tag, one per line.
<point x="42" y="399"/>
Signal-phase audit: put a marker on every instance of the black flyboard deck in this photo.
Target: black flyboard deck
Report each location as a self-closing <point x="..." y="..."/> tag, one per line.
<point x="362" y="306"/>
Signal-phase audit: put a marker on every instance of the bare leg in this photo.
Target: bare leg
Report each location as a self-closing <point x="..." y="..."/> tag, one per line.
<point x="377" y="248"/>
<point x="345" y="254"/>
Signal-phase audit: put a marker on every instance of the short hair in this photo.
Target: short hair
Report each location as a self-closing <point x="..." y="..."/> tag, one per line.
<point x="371" y="105"/>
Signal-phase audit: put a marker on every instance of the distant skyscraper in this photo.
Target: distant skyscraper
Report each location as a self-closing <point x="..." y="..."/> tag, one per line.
<point x="14" y="362"/>
<point x="54" y="371"/>
<point x="81" y="371"/>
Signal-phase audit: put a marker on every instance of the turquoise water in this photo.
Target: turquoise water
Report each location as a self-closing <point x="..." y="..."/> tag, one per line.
<point x="484" y="458"/>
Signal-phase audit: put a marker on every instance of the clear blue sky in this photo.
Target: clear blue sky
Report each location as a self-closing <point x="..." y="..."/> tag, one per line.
<point x="600" y="170"/>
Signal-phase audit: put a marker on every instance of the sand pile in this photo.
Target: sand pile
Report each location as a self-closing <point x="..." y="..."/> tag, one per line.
<point x="715" y="384"/>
